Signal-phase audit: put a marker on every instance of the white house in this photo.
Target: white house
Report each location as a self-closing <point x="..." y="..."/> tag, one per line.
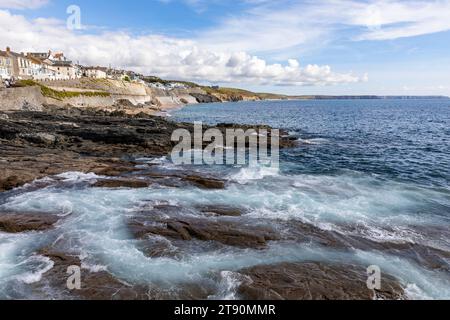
<point x="95" y="72"/>
<point x="6" y="66"/>
<point x="41" y="69"/>
<point x="63" y="68"/>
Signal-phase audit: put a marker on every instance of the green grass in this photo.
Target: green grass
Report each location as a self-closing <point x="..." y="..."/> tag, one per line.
<point x="241" y="92"/>
<point x="60" y="95"/>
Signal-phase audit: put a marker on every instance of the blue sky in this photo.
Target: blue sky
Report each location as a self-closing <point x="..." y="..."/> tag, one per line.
<point x="294" y="47"/>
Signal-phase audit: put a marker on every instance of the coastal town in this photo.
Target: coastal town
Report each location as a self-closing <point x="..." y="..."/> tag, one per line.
<point x="53" y="66"/>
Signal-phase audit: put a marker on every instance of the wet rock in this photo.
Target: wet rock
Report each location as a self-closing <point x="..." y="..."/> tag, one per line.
<point x="222" y="210"/>
<point x="3" y="116"/>
<point x="429" y="257"/>
<point x="205" y="182"/>
<point x="85" y="140"/>
<point x="122" y="183"/>
<point x="432" y="258"/>
<point x="10" y="183"/>
<point x="314" y="281"/>
<point x="225" y="232"/>
<point x="22" y="222"/>
<point x="94" y="285"/>
<point x="116" y="170"/>
<point x="179" y="179"/>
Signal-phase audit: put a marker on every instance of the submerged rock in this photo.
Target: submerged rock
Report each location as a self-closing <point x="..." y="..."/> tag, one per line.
<point x="22" y="222"/>
<point x="94" y="285"/>
<point x="314" y="281"/>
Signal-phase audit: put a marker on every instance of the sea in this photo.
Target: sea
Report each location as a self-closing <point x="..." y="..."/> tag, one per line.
<point x="371" y="179"/>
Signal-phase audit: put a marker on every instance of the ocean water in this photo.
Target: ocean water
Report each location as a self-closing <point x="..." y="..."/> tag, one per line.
<point x="373" y="173"/>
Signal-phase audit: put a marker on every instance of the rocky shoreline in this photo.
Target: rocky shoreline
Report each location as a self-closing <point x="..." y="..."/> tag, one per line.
<point x="36" y="145"/>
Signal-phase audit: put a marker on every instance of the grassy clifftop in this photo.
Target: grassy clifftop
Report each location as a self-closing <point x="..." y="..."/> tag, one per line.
<point x="240" y="94"/>
<point x="60" y="95"/>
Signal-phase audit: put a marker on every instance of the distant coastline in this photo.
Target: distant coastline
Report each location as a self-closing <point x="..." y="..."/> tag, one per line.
<point x="366" y="97"/>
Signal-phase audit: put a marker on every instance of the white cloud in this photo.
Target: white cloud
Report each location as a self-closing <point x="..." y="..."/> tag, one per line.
<point x="22" y="4"/>
<point x="277" y="26"/>
<point x="160" y="55"/>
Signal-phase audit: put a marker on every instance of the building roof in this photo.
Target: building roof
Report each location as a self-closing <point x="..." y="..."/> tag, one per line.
<point x="35" y="60"/>
<point x="39" y="54"/>
<point x="96" y="68"/>
<point x="58" y="63"/>
<point x="58" y="56"/>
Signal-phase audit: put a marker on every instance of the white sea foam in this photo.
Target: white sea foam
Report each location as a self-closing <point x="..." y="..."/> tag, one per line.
<point x="228" y="285"/>
<point x="97" y="226"/>
<point x="77" y="176"/>
<point x="313" y="141"/>
<point x="40" y="264"/>
<point x="160" y="160"/>
<point x="419" y="283"/>
<point x="94" y="268"/>
<point x="252" y="173"/>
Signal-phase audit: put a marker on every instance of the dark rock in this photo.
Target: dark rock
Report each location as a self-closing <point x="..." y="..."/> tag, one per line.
<point x="39" y="138"/>
<point x="94" y="285"/>
<point x="314" y="281"/>
<point x="225" y="232"/>
<point x="115" y="171"/>
<point x="10" y="183"/>
<point x="205" y="98"/>
<point x="205" y="182"/>
<point x="122" y="183"/>
<point x="84" y="140"/>
<point x="222" y="210"/>
<point x="22" y="222"/>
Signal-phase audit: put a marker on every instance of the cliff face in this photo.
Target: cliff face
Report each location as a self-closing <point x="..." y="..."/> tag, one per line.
<point x="132" y="97"/>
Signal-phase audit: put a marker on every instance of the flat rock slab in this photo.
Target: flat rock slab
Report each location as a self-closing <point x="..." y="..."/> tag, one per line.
<point x="22" y="222"/>
<point x="204" y="182"/>
<point x="187" y="229"/>
<point x="314" y="281"/>
<point x="222" y="210"/>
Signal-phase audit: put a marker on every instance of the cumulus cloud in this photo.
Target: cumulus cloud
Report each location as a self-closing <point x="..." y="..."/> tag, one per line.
<point x="22" y="4"/>
<point x="160" y="55"/>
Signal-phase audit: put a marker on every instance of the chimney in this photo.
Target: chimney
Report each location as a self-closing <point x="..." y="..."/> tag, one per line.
<point x="8" y="49"/>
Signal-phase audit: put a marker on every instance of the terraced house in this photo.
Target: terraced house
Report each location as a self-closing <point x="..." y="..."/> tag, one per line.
<point x="41" y="68"/>
<point x="64" y="69"/>
<point x="6" y="66"/>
